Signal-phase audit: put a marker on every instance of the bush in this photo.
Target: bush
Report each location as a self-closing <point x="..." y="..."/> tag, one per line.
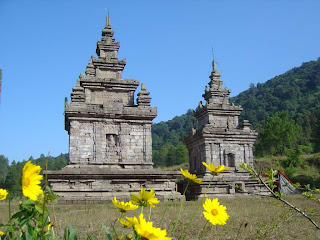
<point x="293" y="157"/>
<point x="304" y="180"/>
<point x="306" y="149"/>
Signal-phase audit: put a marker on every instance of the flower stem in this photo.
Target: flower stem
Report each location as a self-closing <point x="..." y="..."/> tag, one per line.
<point x="9" y="207"/>
<point x="150" y="209"/>
<point x="165" y="210"/>
<point x="45" y="195"/>
<point x="201" y="233"/>
<point x="115" y="224"/>
<point x="194" y="213"/>
<point x="286" y="202"/>
<point x="180" y="209"/>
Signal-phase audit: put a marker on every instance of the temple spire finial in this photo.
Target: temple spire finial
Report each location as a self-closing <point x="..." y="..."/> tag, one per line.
<point x="108" y="20"/>
<point x="107" y="31"/>
<point x="214" y="67"/>
<point x="212" y="54"/>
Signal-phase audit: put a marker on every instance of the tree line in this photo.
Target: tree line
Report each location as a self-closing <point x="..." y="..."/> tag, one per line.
<point x="10" y="174"/>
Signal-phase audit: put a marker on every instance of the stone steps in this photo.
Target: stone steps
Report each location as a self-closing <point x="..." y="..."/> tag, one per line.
<point x="225" y="184"/>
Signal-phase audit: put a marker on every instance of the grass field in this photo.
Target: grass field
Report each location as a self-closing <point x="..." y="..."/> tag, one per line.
<point x="250" y="218"/>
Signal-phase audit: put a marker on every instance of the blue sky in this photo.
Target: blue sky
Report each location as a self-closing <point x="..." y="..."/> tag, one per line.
<point x="44" y="45"/>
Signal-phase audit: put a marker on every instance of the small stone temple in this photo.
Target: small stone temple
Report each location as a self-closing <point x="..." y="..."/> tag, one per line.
<point x="221" y="140"/>
<point x="110" y="142"/>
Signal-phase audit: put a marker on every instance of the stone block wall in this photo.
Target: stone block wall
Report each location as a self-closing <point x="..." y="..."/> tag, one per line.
<point x="110" y="142"/>
<point x="109" y="99"/>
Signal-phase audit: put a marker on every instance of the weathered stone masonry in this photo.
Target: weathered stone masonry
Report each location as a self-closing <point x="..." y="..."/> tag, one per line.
<point x="110" y="142"/>
<point x="221" y="140"/>
<point x="105" y="126"/>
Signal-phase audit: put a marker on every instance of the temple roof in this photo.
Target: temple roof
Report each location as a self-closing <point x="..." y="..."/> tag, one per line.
<point x="215" y="94"/>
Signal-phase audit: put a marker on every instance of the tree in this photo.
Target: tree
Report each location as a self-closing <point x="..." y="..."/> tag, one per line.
<point x="280" y="134"/>
<point x="13" y="178"/>
<point x="316" y="136"/>
<point x="4" y="165"/>
<point x="177" y="155"/>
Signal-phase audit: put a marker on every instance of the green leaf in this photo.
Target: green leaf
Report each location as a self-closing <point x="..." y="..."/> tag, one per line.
<point x="73" y="233"/>
<point x="28" y="204"/>
<point x="107" y="232"/>
<point x="39" y="208"/>
<point x="89" y="237"/>
<point x="51" y="196"/>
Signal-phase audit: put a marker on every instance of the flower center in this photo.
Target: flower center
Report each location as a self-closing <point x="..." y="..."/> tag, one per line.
<point x="26" y="182"/>
<point x="214" y="212"/>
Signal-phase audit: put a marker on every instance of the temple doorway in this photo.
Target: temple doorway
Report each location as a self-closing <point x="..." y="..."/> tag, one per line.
<point x="230" y="160"/>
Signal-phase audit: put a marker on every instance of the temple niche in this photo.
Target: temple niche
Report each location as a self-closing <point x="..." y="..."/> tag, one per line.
<point x="104" y="124"/>
<point x="220" y="139"/>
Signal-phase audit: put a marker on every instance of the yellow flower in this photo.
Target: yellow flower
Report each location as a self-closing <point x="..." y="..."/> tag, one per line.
<point x="215" y="169"/>
<point x="31" y="180"/>
<point x="1" y="233"/>
<point x="47" y="228"/>
<point x="190" y="177"/>
<point x="124" y="206"/>
<point x="145" y="198"/>
<point x="3" y="194"/>
<point x="131" y="221"/>
<point x="129" y="236"/>
<point x="214" y="212"/>
<point x="147" y="231"/>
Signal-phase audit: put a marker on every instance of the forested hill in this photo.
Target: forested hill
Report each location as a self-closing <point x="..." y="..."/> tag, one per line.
<point x="296" y="91"/>
<point x="167" y="147"/>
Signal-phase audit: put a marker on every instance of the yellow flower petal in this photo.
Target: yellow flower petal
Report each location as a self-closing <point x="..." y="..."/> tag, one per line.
<point x="31" y="179"/>
<point x="147" y="231"/>
<point x="145" y="198"/>
<point x="214" y="212"/>
<point x="3" y="194"/>
<point x="190" y="177"/>
<point x="215" y="169"/>
<point x="124" y="206"/>
<point x="129" y="223"/>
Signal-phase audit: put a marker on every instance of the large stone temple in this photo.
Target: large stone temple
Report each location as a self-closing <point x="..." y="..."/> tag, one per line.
<point x="221" y="140"/>
<point x="105" y="125"/>
<point x="110" y="143"/>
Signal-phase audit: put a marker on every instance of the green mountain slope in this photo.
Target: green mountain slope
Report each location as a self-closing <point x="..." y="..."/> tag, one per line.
<point x="167" y="147"/>
<point x="296" y="91"/>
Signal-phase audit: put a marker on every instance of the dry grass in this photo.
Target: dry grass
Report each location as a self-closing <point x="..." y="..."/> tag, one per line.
<point x="261" y="216"/>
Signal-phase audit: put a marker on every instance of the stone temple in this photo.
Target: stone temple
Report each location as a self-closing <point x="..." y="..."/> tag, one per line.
<point x="221" y="140"/>
<point x="105" y="126"/>
<point x="110" y="142"/>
